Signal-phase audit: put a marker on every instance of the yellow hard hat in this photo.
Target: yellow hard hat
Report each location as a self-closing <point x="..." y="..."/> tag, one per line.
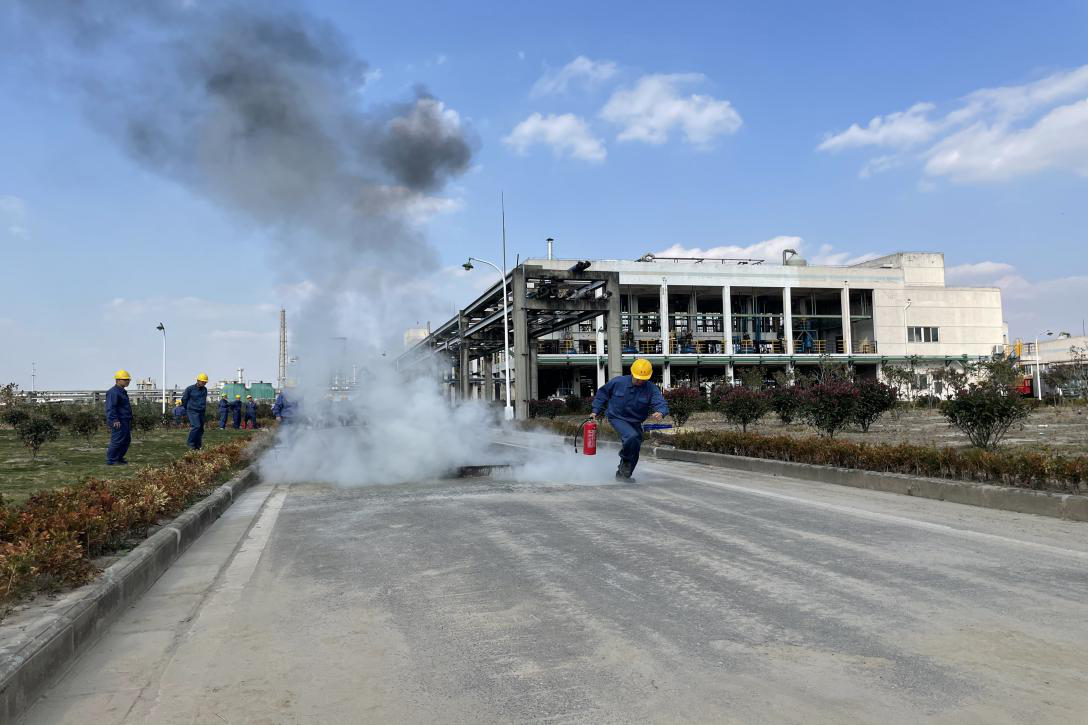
<point x="122" y="375"/>
<point x="237" y="397"/>
<point x="641" y="369"/>
<point x="203" y="377"/>
<point x="177" y="401"/>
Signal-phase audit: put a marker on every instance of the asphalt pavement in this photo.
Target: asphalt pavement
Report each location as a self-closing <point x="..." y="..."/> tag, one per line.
<point x="698" y="594"/>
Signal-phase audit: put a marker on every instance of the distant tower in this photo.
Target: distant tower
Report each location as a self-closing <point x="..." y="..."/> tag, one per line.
<point x="281" y="376"/>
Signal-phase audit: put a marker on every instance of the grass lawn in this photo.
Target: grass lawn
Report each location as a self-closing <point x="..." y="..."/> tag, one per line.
<point x="70" y="458"/>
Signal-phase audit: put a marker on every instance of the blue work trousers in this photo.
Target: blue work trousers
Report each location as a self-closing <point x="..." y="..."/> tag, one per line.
<point x="120" y="438"/>
<point x="196" y="429"/>
<point x="223" y="418"/>
<point x="236" y="419"/>
<point x="631" y="440"/>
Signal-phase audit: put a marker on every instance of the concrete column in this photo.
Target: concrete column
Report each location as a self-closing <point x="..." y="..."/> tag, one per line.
<point x="663" y="316"/>
<point x="534" y="371"/>
<point x="520" y="356"/>
<point x="729" y="374"/>
<point x="487" y="364"/>
<point x="787" y="318"/>
<point x="601" y="377"/>
<point x="615" y="312"/>
<point x="463" y="372"/>
<point x="847" y="332"/>
<point x="727" y="322"/>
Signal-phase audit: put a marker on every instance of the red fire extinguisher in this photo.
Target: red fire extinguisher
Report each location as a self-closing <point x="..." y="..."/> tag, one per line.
<point x="587" y="431"/>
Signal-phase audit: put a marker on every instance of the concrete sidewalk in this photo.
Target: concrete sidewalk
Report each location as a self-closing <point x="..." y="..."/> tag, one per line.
<point x="699" y="594"/>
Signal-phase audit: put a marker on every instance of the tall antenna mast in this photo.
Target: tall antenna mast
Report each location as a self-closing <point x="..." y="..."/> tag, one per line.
<point x="281" y="373"/>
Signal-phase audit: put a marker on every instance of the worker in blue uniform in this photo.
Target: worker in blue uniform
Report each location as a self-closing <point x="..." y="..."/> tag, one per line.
<point x="179" y="411"/>
<point x="628" y="400"/>
<point x="195" y="401"/>
<point x="236" y="412"/>
<point x="224" y="411"/>
<point x="119" y="419"/>
<point x="282" y="408"/>
<point x="251" y="413"/>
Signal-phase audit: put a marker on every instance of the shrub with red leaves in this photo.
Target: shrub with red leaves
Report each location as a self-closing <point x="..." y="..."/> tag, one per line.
<point x="682" y="403"/>
<point x="50" y="540"/>
<point x="741" y="406"/>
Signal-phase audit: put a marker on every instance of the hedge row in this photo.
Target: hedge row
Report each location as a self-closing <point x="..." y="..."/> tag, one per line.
<point x="1021" y="468"/>
<point x="49" y="541"/>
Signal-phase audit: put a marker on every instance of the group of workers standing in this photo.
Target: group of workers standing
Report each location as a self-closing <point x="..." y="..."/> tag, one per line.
<point x="192" y="406"/>
<point x="233" y="409"/>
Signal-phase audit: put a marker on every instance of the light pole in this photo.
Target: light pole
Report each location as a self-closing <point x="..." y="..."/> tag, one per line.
<point x="1038" y="365"/>
<point x="162" y="328"/>
<point x="508" y="411"/>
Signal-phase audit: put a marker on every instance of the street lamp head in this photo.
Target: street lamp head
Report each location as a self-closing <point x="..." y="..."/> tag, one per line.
<point x="161" y="327"/>
<point x="468" y="265"/>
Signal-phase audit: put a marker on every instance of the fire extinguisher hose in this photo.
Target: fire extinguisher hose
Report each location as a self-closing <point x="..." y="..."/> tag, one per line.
<point x="578" y="434"/>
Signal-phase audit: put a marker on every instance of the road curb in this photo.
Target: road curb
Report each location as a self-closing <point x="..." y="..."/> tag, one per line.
<point x="1068" y="506"/>
<point x="33" y="658"/>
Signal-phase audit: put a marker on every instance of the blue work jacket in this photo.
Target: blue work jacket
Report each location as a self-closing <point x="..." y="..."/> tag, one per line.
<point x="251" y="408"/>
<point x="629" y="402"/>
<point x="224" y="405"/>
<point x="117" y="405"/>
<point x="281" y="408"/>
<point x="179" y="412"/>
<point x="236" y="406"/>
<point x="195" y="399"/>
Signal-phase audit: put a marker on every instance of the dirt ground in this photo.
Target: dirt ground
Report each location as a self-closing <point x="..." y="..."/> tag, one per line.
<point x="1062" y="429"/>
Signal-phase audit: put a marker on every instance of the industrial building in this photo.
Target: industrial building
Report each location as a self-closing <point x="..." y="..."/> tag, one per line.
<point x="574" y="324"/>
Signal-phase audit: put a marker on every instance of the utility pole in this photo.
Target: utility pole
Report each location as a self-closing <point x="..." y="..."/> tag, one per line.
<point x="162" y="328"/>
<point x="33" y="377"/>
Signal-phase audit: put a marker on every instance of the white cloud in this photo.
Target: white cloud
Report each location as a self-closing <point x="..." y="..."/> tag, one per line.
<point x="994" y="134"/>
<point x="651" y="109"/>
<point x="580" y="71"/>
<point x="567" y="134"/>
<point x="981" y="152"/>
<point x="769" y="250"/>
<point x="903" y="128"/>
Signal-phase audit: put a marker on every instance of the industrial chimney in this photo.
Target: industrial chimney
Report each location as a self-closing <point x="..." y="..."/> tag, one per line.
<point x="550" y="242"/>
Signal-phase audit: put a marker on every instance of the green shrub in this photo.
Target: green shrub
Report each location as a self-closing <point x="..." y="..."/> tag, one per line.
<point x="146" y="416"/>
<point x="985" y="412"/>
<point x="84" y="423"/>
<point x="13" y="415"/>
<point x="830" y="407"/>
<point x="786" y="401"/>
<point x="59" y="414"/>
<point x="682" y="403"/>
<point x="741" y="406"/>
<point x="35" y="432"/>
<point x="874" y="400"/>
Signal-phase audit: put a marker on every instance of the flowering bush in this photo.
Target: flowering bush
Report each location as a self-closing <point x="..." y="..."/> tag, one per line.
<point x="874" y="400"/>
<point x="49" y="541"/>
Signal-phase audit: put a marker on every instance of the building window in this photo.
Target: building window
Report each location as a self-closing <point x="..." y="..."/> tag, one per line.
<point x="922" y="334"/>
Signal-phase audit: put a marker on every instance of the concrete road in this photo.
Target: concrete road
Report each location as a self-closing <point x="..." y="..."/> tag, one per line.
<point x="698" y="595"/>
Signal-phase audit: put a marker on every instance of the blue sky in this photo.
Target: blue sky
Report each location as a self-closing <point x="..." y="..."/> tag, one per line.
<point x="617" y="129"/>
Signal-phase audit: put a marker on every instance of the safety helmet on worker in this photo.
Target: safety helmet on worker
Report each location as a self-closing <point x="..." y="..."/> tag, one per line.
<point x="203" y="377"/>
<point x="122" y="375"/>
<point x="237" y="397"/>
<point x="641" y="369"/>
<point x="177" y="401"/>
